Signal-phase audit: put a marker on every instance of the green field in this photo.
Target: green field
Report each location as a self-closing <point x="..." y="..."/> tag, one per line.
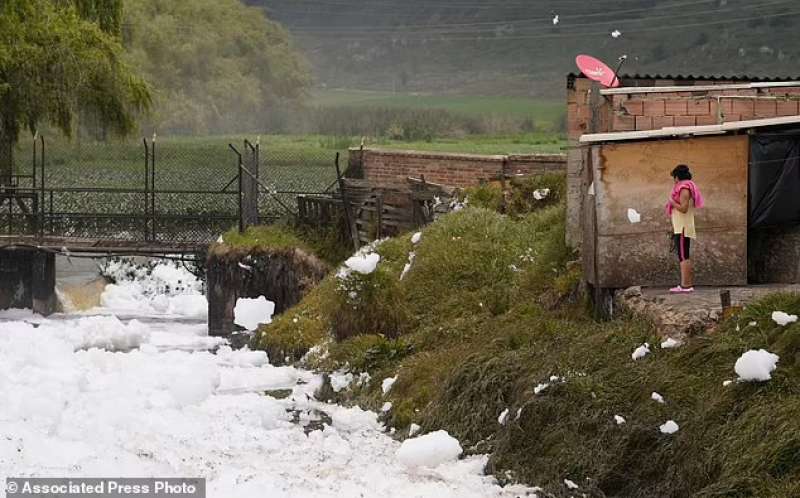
<point x="95" y="187"/>
<point x="288" y="162"/>
<point x="546" y="113"/>
<point x="292" y="158"/>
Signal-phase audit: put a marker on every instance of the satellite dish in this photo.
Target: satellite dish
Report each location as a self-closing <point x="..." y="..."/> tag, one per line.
<point x="596" y="70"/>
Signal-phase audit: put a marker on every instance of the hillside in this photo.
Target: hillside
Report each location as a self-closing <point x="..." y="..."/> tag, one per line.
<point x="492" y="47"/>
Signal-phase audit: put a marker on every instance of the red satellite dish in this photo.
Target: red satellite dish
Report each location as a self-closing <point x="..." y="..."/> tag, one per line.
<point x="596" y="70"/>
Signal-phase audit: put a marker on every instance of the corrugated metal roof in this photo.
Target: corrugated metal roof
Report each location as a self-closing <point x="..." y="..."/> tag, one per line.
<point x="681" y="131"/>
<point x="698" y="77"/>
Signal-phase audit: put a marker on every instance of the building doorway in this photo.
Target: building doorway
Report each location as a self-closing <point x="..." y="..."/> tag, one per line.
<point x="773" y="245"/>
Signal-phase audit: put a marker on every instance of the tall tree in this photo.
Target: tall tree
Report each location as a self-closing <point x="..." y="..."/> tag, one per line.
<point x="54" y="62"/>
<point x="215" y="65"/>
<point x="106" y="13"/>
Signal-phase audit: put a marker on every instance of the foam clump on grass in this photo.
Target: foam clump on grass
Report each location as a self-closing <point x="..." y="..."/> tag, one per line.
<point x="782" y="318"/>
<point x="387" y="384"/>
<point x="669" y="427"/>
<point x="250" y="313"/>
<point x="430" y="450"/>
<point x="641" y="352"/>
<point x="503" y="418"/>
<point x="657" y="397"/>
<point x="619" y="419"/>
<point x="756" y="365"/>
<point x="341" y="381"/>
<point x="670" y="343"/>
<point x="363" y="264"/>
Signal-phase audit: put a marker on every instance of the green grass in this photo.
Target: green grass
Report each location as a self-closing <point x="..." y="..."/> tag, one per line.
<point x="543" y="112"/>
<point x="270" y="236"/>
<point x="529" y="143"/>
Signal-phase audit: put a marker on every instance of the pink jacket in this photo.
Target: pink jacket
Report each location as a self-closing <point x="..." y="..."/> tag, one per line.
<point x="693" y="190"/>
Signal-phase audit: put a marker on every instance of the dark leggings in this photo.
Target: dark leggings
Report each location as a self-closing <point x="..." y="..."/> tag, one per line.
<point x="682" y="246"/>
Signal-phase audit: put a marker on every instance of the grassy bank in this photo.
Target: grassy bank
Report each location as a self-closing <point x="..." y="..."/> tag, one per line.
<point x="487" y="319"/>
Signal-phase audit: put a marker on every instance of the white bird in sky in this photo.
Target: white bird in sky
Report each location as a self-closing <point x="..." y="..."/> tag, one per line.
<point x="555" y="19"/>
<point x="616" y="33"/>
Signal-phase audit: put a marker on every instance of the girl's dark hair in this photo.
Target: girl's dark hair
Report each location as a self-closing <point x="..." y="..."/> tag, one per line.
<point x="681" y="172"/>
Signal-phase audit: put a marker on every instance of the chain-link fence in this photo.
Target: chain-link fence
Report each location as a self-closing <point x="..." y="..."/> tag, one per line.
<point x="156" y="190"/>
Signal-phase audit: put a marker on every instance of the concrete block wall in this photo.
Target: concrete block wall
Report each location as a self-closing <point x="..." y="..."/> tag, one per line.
<point x="390" y="168"/>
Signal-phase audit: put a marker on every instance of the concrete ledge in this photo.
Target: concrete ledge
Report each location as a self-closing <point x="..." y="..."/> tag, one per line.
<point x="681" y="315"/>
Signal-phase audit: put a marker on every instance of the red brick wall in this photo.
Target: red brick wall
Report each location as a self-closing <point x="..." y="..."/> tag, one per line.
<point x="648" y="111"/>
<point x="391" y="168"/>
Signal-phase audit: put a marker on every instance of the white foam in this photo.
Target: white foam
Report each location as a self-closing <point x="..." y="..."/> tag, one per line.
<point x="431" y="450"/>
<point x="252" y="312"/>
<point x="756" y="365"/>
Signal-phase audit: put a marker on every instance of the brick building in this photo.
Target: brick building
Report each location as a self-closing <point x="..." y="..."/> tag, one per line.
<point x="742" y="140"/>
<point x="645" y="103"/>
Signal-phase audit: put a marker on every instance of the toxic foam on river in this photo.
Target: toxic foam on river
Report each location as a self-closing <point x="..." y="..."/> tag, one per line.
<point x="168" y="288"/>
<point x="100" y="396"/>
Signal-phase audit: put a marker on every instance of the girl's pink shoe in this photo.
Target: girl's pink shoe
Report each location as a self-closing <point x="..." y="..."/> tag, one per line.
<point x="681" y="290"/>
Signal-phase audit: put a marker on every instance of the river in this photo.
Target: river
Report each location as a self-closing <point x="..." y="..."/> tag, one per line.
<point x="134" y="387"/>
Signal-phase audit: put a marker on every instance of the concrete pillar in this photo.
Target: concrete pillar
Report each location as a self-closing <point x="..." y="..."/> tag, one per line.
<point x="28" y="280"/>
<point x="43" y="283"/>
<point x="221" y="300"/>
<point x="15" y="279"/>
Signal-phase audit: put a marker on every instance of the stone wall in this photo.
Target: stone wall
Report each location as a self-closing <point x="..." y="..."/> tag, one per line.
<point x="391" y="168"/>
<point x="282" y="276"/>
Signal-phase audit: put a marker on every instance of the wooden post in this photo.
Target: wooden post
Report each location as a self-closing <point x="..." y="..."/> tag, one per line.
<point x="503" y="169"/>
<point x="351" y="226"/>
<point x="725" y="299"/>
<point x="379" y="215"/>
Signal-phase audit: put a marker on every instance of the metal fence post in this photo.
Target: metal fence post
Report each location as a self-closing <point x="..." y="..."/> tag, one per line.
<point x="146" y="189"/>
<point x="41" y="223"/>
<point x="33" y="175"/>
<point x="153" y="190"/>
<point x="250" y="187"/>
<point x="239" y="177"/>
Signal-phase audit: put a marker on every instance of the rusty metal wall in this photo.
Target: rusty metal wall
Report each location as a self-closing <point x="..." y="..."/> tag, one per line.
<point x="637" y="175"/>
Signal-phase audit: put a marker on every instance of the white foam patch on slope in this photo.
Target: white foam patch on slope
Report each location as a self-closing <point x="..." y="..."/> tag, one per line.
<point x="756" y="365"/>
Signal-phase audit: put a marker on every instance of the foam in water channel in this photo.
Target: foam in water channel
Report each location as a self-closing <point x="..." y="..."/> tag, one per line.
<point x="153" y="396"/>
